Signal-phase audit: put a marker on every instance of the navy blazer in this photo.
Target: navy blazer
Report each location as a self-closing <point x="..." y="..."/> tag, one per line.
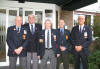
<point x="64" y="40"/>
<point x="16" y="39"/>
<point x="84" y="38"/>
<point x="33" y="39"/>
<point x="54" y="39"/>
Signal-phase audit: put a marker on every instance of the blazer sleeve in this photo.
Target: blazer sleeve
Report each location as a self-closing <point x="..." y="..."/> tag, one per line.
<point x="57" y="43"/>
<point x="9" y="40"/>
<point x="39" y="44"/>
<point x="72" y="37"/>
<point x="25" y="43"/>
<point x="68" y="41"/>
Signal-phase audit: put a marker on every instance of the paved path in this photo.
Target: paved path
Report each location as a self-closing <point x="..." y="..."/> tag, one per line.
<point x="6" y="67"/>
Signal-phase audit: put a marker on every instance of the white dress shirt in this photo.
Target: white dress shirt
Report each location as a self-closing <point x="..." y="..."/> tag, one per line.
<point x="82" y="26"/>
<point x="46" y="32"/>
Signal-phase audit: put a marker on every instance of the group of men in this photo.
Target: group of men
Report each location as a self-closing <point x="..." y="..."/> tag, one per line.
<point x="30" y="43"/>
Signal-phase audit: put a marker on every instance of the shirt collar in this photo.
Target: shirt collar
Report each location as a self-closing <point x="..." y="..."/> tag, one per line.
<point x="18" y="27"/>
<point x="62" y="29"/>
<point x="32" y="24"/>
<point x="81" y="26"/>
<point x="48" y="29"/>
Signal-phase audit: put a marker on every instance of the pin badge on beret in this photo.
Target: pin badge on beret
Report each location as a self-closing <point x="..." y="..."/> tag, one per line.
<point x="66" y="37"/>
<point x="54" y="37"/>
<point x="41" y="40"/>
<point x="85" y="34"/>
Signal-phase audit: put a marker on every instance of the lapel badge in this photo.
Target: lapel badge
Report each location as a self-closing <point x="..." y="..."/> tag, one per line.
<point x="85" y="35"/>
<point x="84" y="29"/>
<point x="24" y="36"/>
<point x="25" y="32"/>
<point x="66" y="37"/>
<point x="14" y="29"/>
<point x="41" y="40"/>
<point x="54" y="37"/>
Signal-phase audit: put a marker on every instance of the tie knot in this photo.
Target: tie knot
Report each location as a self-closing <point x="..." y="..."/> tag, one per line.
<point x="48" y="32"/>
<point x="18" y="29"/>
<point x="31" y="25"/>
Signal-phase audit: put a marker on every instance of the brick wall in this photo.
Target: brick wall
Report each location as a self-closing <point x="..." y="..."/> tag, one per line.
<point x="68" y="17"/>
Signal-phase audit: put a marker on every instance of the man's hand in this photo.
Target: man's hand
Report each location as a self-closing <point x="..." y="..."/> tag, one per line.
<point x="38" y="57"/>
<point x="19" y="50"/>
<point x="58" y="55"/>
<point x="62" y="48"/>
<point x="78" y="48"/>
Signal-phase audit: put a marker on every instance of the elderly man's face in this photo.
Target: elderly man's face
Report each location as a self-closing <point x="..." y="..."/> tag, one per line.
<point x="47" y="24"/>
<point x="61" y="23"/>
<point x="18" y="21"/>
<point x="81" y="20"/>
<point x="31" y="19"/>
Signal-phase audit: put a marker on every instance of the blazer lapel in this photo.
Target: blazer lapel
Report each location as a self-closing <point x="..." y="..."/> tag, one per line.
<point x="29" y="29"/>
<point x="84" y="28"/>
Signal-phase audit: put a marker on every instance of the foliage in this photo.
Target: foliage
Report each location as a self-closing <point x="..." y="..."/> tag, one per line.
<point x="94" y="58"/>
<point x="96" y="26"/>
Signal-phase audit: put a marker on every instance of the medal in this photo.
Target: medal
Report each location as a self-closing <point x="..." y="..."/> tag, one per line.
<point x="24" y="36"/>
<point x="66" y="37"/>
<point x="85" y="34"/>
<point x="25" y="32"/>
<point x="54" y="37"/>
<point x="41" y="40"/>
<point x="14" y="29"/>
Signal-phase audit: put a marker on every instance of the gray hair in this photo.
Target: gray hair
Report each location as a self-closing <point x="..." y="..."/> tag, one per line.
<point x="48" y="20"/>
<point x="82" y="16"/>
<point x="31" y="15"/>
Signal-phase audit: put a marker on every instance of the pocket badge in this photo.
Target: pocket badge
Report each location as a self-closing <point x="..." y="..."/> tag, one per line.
<point x="41" y="40"/>
<point x="85" y="35"/>
<point x="24" y="36"/>
<point x="66" y="37"/>
<point x="54" y="37"/>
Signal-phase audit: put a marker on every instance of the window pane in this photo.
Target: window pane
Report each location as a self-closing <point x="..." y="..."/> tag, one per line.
<point x="12" y="15"/>
<point x="38" y="17"/>
<point x="2" y="35"/>
<point x="26" y="15"/>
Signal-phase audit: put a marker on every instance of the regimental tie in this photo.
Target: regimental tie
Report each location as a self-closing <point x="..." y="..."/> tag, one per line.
<point x="62" y="32"/>
<point x="48" y="39"/>
<point x="32" y="30"/>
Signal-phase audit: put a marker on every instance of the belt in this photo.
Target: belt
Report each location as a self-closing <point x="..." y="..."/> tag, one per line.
<point x="48" y="48"/>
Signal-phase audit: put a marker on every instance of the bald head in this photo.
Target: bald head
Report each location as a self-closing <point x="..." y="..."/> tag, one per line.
<point x="18" y="21"/>
<point x="81" y="19"/>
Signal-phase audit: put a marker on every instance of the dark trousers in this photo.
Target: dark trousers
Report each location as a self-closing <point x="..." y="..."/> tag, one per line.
<point x="13" y="61"/>
<point x="81" y="58"/>
<point x="63" y="58"/>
